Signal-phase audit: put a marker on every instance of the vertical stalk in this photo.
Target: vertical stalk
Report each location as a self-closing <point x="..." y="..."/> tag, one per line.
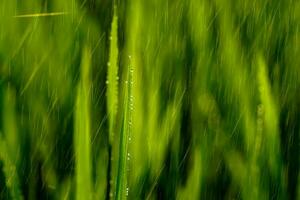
<point x="122" y="187"/>
<point x="82" y="132"/>
<point x="112" y="98"/>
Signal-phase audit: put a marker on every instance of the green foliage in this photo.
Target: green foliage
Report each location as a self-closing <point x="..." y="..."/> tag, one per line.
<point x="206" y="107"/>
<point x="10" y="146"/>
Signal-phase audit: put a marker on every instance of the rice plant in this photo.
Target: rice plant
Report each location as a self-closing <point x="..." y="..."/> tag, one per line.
<point x="112" y="98"/>
<point x="122" y="188"/>
<point x="82" y="138"/>
<point x="149" y="99"/>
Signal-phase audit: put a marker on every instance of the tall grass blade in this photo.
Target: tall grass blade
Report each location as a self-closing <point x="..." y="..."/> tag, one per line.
<point x="112" y="76"/>
<point x="122" y="184"/>
<point x="112" y="98"/>
<point x="82" y="131"/>
<point x="10" y="146"/>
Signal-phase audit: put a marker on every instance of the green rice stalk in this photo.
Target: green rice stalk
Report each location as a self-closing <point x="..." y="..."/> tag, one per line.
<point x="122" y="185"/>
<point x="112" y="76"/>
<point x="112" y="97"/>
<point x="10" y="146"/>
<point x="82" y="131"/>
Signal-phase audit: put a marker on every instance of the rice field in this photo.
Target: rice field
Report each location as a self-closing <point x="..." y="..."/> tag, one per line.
<point x="149" y="99"/>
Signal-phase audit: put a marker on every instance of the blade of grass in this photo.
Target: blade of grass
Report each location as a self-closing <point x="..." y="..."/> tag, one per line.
<point x="10" y="171"/>
<point x="82" y="132"/>
<point x="270" y="119"/>
<point x="112" y="76"/>
<point x="112" y="97"/>
<point x="10" y="146"/>
<point x="122" y="189"/>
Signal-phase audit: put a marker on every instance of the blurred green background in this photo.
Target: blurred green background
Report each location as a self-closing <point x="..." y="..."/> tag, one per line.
<point x="149" y="99"/>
